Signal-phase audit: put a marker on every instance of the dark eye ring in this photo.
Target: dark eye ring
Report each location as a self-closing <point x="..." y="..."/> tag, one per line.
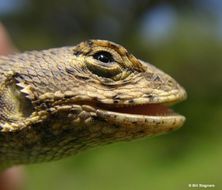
<point x="103" y="56"/>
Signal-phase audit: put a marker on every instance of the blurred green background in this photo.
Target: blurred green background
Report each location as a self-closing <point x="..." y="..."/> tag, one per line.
<point x="183" y="38"/>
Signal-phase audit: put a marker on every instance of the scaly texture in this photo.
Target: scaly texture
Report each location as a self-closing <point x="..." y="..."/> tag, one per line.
<point x="56" y="102"/>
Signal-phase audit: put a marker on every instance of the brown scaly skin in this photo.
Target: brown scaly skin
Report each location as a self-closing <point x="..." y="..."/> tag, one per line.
<point x="57" y="102"/>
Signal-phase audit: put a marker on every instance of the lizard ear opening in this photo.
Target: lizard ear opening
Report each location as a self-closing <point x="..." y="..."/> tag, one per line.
<point x="24" y="103"/>
<point x="14" y="104"/>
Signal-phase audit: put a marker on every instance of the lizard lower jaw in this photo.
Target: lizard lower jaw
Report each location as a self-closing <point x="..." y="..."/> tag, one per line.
<point x="151" y="123"/>
<point x="155" y="118"/>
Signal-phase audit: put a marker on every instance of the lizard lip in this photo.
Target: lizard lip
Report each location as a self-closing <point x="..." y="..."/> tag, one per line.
<point x="154" y="109"/>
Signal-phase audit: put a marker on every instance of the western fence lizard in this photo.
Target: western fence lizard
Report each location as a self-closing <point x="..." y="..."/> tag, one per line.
<point x="56" y="102"/>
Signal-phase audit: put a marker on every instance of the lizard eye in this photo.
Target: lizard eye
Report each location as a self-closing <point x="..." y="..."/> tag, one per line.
<point x="103" y="64"/>
<point x="103" y="56"/>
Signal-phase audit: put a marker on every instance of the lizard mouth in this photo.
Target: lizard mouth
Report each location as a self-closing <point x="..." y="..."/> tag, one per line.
<point x="160" y="109"/>
<point x="155" y="118"/>
<point x="140" y="109"/>
<point x="145" y="109"/>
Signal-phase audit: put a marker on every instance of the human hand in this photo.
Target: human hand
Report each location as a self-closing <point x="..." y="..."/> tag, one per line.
<point x="12" y="179"/>
<point x="6" y="46"/>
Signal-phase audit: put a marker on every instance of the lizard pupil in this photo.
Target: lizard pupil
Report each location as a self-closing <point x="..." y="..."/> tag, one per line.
<point x="103" y="56"/>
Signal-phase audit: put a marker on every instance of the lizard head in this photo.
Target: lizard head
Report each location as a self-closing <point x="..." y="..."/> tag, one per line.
<point x="93" y="93"/>
<point x="126" y="91"/>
